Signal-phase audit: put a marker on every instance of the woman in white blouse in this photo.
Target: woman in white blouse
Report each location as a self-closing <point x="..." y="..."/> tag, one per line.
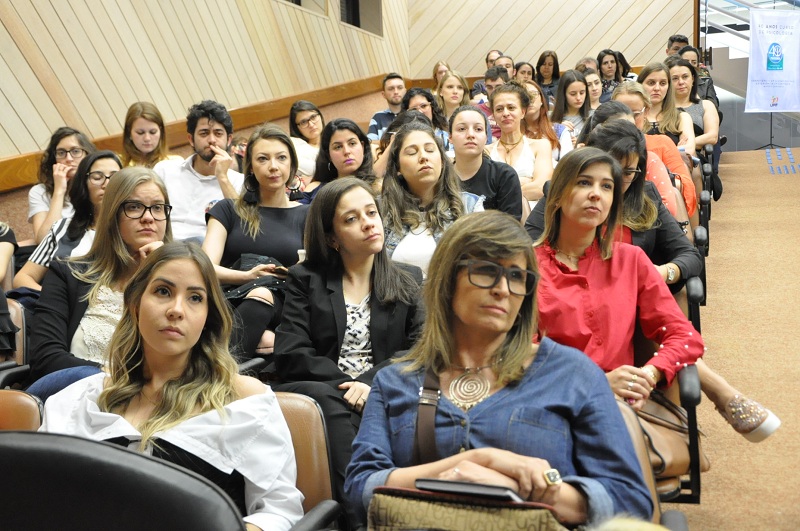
<point x="172" y="391"/>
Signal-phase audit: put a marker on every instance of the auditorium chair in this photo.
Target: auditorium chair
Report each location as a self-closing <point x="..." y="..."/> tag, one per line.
<point x="19" y="411"/>
<point x="69" y="483"/>
<point x="14" y="369"/>
<point x="673" y="520"/>
<point x="310" y="441"/>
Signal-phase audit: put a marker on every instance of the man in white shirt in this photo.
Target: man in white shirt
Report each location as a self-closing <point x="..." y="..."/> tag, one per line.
<point x="205" y="177"/>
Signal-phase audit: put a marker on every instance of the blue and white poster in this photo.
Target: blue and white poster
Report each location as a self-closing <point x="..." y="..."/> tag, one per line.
<point x="773" y="76"/>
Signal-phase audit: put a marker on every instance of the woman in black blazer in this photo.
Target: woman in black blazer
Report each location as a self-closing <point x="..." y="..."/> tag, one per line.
<point x="348" y="310"/>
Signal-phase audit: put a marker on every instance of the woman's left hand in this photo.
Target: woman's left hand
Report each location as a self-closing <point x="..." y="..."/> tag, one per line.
<point x="474" y="473"/>
<point x="631" y="383"/>
<point x="356" y="395"/>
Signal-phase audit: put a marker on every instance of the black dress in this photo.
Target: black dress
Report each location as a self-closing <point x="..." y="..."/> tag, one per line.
<point x="8" y="330"/>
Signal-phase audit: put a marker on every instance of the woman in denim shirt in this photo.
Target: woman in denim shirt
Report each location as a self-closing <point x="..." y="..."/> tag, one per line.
<point x="542" y="419"/>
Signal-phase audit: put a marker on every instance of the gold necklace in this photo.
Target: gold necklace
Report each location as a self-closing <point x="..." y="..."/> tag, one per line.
<point x="471" y="387"/>
<point x="572" y="258"/>
<point x="141" y="392"/>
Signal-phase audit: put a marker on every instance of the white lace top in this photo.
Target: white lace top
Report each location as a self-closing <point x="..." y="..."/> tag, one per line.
<point x="98" y="323"/>
<point x="355" y="356"/>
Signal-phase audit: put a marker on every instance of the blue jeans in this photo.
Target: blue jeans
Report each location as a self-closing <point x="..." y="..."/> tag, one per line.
<point x="54" y="382"/>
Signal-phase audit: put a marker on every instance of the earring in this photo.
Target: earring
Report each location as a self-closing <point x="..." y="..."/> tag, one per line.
<point x="329" y="167"/>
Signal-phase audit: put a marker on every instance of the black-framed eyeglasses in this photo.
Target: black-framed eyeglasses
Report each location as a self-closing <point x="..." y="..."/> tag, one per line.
<point x="136" y="210"/>
<point x="629" y="174"/>
<point x="302" y="124"/>
<point x="76" y="153"/>
<point x="485" y="274"/>
<point x="98" y="178"/>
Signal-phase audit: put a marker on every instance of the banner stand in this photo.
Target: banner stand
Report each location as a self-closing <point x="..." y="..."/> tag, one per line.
<point x="771" y="138"/>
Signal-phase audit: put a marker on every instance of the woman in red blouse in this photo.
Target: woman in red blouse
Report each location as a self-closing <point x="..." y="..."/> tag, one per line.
<point x="592" y="289"/>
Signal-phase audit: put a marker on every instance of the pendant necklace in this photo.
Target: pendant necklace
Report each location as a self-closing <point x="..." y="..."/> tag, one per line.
<point x="511" y="146"/>
<point x="471" y="387"/>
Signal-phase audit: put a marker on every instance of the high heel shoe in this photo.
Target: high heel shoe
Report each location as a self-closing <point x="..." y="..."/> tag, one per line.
<point x="749" y="418"/>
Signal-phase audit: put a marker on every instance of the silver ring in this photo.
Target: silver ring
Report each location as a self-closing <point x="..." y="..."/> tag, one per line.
<point x="456" y="471"/>
<point x="630" y="385"/>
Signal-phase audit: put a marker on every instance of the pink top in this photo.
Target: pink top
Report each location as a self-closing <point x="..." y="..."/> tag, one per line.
<point x="595" y="309"/>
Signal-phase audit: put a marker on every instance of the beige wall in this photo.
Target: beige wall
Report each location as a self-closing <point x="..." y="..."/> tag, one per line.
<point x="524" y="28"/>
<point x="83" y="62"/>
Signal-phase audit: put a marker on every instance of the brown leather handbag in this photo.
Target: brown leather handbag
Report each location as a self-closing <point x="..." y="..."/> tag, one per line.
<point x="666" y="431"/>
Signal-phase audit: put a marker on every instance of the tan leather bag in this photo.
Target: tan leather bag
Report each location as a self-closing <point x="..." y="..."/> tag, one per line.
<point x="666" y="430"/>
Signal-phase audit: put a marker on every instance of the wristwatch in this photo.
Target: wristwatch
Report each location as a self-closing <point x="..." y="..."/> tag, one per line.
<point x="670" y="274"/>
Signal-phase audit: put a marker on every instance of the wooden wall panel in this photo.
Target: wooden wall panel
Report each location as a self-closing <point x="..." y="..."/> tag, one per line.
<point x="83" y="62"/>
<point x="574" y="28"/>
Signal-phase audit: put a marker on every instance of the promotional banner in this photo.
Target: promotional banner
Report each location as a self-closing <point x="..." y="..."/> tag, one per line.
<point x="773" y="75"/>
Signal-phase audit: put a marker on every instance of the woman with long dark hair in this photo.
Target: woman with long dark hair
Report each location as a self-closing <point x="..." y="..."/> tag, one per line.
<point x="348" y="309"/>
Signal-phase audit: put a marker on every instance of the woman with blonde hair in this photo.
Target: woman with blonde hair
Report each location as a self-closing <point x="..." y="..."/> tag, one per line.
<point x="664" y="116"/>
<point x="538" y="419"/>
<point x="439" y="70"/>
<point x="81" y="300"/>
<point x="452" y="92"/>
<point x="172" y="391"/>
<point x="261" y="221"/>
<point x="144" y="138"/>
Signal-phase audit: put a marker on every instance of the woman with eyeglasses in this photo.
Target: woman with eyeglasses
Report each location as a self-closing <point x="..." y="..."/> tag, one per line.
<point x="81" y="300"/>
<point x="73" y="236"/>
<point x="262" y="221"/>
<point x="595" y="288"/>
<point x="305" y="129"/>
<point x="633" y="95"/>
<point x="47" y="201"/>
<point x="538" y="419"/>
<point x="419" y="99"/>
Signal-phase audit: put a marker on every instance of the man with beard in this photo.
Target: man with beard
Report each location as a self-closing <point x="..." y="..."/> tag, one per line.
<point x="394" y="88"/>
<point x="206" y="176"/>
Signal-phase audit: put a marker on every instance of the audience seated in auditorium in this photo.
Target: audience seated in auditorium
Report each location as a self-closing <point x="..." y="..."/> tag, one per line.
<point x="664" y="116"/>
<point x="144" y="139"/>
<point x="73" y="236"/>
<point x="421" y="197"/>
<point x="394" y="88"/>
<point x="479" y="86"/>
<point x="349" y="309"/>
<point x="439" y="70"/>
<point x="537" y="124"/>
<point x="572" y="104"/>
<point x="633" y="95"/>
<point x="261" y="221"/>
<point x="206" y="176"/>
<point x="306" y="123"/>
<point x="495" y="77"/>
<point x="578" y="248"/>
<point x="419" y="99"/>
<point x="495" y="182"/>
<point x="81" y="300"/>
<point x="172" y="391"/>
<point x="510" y="104"/>
<point x="452" y="92"/>
<point x="547" y="75"/>
<point x="480" y="302"/>
<point x="610" y="73"/>
<point x="344" y="150"/>
<point x="47" y="200"/>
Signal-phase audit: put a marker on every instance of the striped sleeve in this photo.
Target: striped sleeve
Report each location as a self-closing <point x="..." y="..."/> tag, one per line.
<point x="46" y="250"/>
